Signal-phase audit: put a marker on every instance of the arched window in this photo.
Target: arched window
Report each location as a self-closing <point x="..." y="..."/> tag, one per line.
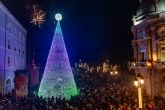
<point x="161" y="32"/>
<point x="8" y="86"/>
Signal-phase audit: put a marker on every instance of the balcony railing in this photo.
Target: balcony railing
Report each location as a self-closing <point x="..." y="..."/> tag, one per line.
<point x="141" y="64"/>
<point x="156" y="65"/>
<point x="138" y="64"/>
<point x="160" y="65"/>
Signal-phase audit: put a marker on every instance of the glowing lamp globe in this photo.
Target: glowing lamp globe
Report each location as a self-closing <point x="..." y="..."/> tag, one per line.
<point x="58" y="17"/>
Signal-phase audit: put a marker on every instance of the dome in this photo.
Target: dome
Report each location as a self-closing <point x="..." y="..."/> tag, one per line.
<point x="146" y="7"/>
<point x="160" y="5"/>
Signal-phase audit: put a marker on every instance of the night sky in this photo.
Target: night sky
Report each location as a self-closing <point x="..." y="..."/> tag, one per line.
<point x="93" y="29"/>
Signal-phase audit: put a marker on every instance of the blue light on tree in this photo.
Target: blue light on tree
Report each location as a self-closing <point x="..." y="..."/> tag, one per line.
<point x="58" y="80"/>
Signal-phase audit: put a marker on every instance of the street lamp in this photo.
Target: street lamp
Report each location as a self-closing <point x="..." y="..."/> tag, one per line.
<point x="138" y="83"/>
<point x="148" y="65"/>
<point x="114" y="72"/>
<point x="111" y="73"/>
<point x="142" y="81"/>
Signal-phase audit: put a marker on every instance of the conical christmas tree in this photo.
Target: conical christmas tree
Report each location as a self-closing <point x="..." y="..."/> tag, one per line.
<point x="58" y="80"/>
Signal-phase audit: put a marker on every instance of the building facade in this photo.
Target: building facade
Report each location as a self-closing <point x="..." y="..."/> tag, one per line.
<point x="149" y="45"/>
<point x="12" y="49"/>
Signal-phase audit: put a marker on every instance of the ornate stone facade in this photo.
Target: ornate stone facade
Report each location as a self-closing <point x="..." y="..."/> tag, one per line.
<point x="149" y="45"/>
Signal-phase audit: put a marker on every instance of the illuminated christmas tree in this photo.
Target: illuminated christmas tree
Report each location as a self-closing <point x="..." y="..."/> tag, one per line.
<point x="58" y="80"/>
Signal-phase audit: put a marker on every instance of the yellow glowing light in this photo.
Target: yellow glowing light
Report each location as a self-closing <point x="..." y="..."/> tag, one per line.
<point x="148" y="64"/>
<point x="142" y="81"/>
<point x="136" y="83"/>
<point x="140" y="97"/>
<point x="116" y="72"/>
<point x="154" y="56"/>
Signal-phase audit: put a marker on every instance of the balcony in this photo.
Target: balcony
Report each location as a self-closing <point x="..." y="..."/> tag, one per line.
<point x="147" y="65"/>
<point x="160" y="65"/>
<point x="139" y="65"/>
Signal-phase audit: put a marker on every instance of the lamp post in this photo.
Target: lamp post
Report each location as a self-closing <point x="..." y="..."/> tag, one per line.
<point x="150" y="66"/>
<point x="138" y="83"/>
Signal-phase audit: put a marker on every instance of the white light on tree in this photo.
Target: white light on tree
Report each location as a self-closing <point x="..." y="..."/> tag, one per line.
<point x="58" y="17"/>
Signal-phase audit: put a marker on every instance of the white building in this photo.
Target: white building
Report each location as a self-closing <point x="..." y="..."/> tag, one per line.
<point x="12" y="49"/>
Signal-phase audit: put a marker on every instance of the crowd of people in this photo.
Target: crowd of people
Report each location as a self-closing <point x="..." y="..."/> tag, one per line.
<point x="97" y="92"/>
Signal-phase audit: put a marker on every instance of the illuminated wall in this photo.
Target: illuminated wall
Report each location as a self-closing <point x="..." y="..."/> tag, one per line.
<point x="12" y="49"/>
<point x="58" y="79"/>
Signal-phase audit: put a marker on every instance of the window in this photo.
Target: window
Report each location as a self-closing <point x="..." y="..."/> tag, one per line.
<point x="163" y="54"/>
<point x="143" y="55"/>
<point x="9" y="44"/>
<point x="14" y="48"/>
<point x="8" y="61"/>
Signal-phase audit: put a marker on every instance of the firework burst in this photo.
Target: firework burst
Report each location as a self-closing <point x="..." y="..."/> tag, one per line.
<point x="37" y="16"/>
